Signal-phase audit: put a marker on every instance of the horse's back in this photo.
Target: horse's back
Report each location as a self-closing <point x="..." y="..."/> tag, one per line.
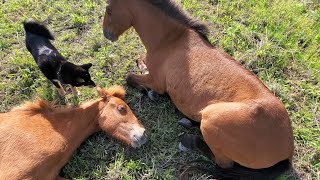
<point x="204" y="75"/>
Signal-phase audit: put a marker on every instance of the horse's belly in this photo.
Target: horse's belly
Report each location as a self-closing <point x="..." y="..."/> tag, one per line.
<point x="188" y="103"/>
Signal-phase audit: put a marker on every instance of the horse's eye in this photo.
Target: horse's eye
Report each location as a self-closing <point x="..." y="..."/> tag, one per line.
<point x="122" y="109"/>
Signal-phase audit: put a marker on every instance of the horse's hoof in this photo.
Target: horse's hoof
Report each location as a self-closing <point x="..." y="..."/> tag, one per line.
<point x="183" y="148"/>
<point x="186" y="123"/>
<point x="153" y="95"/>
<point x="192" y="142"/>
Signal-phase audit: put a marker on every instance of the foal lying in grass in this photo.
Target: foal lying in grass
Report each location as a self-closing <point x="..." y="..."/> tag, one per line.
<point x="37" y="139"/>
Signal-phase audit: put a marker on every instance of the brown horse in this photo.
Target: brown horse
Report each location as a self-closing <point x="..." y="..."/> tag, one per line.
<point x="37" y="139"/>
<point x="240" y="119"/>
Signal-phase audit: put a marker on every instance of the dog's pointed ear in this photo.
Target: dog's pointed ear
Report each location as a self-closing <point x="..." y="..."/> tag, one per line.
<point x="86" y="66"/>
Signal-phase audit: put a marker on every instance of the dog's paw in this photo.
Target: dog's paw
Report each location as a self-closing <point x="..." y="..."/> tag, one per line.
<point x="75" y="91"/>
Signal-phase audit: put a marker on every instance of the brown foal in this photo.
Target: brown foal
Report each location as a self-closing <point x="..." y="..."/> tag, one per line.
<point x="37" y="139"/>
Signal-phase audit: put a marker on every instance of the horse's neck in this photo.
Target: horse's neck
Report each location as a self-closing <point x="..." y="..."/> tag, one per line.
<point x="155" y="29"/>
<point x="79" y="123"/>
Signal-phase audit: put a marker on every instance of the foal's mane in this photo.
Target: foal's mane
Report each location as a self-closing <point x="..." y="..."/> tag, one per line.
<point x="173" y="10"/>
<point x="37" y="106"/>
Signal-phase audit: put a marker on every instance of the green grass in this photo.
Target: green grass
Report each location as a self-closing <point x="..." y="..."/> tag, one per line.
<point x="278" y="40"/>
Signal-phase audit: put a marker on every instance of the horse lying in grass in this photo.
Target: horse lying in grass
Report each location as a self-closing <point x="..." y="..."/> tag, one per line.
<point x="37" y="139"/>
<point x="240" y="119"/>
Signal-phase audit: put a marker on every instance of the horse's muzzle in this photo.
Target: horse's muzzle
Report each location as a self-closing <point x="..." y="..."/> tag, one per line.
<point x="109" y="35"/>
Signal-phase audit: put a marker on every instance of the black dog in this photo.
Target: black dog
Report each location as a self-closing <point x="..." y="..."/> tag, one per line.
<point x="51" y="63"/>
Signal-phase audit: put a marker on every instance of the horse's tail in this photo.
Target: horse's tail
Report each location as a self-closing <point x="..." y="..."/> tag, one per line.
<point x="34" y="27"/>
<point x="236" y="172"/>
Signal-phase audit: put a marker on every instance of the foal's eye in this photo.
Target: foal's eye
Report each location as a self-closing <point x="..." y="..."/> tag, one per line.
<point x="122" y="109"/>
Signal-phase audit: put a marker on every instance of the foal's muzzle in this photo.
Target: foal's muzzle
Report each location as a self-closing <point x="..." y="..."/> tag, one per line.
<point x="109" y="35"/>
<point x="138" y="137"/>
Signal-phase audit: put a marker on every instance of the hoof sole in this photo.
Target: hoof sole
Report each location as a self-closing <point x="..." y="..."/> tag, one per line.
<point x="185" y="123"/>
<point x="153" y="95"/>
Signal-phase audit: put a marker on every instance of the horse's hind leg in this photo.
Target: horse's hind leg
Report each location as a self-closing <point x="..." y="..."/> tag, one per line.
<point x="194" y="142"/>
<point x="224" y="129"/>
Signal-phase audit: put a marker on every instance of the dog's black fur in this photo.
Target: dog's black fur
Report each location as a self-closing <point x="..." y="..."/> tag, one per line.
<point x="51" y="63"/>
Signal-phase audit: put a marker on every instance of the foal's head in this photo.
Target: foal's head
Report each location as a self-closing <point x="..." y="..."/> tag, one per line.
<point x="117" y="119"/>
<point x="117" y="19"/>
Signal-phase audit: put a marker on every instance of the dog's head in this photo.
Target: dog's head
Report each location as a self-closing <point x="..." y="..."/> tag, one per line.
<point x="76" y="75"/>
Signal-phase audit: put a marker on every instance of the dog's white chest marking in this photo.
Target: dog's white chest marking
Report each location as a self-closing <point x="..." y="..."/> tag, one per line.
<point x="45" y="50"/>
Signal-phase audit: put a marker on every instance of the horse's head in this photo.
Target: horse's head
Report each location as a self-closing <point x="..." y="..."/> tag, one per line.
<point x="117" y="119"/>
<point x="117" y="19"/>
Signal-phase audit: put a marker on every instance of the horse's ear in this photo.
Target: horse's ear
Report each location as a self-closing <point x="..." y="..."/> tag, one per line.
<point x="116" y="91"/>
<point x="102" y="93"/>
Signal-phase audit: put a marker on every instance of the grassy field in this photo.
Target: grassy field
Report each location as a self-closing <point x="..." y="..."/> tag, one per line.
<point x="279" y="40"/>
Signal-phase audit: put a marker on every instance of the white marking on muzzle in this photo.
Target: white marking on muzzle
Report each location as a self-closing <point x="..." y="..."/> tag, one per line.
<point x="138" y="136"/>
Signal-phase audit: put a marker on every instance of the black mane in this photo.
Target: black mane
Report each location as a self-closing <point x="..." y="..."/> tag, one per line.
<point x="172" y="9"/>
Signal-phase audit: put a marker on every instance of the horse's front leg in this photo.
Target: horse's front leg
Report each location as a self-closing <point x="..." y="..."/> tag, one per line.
<point x="143" y="82"/>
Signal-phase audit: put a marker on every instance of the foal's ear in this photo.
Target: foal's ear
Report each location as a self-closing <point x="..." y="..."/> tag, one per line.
<point x="102" y="93"/>
<point x="116" y="91"/>
<point x="86" y="66"/>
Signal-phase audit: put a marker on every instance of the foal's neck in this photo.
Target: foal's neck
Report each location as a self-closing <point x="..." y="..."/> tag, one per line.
<point x="79" y="123"/>
<point x="154" y="27"/>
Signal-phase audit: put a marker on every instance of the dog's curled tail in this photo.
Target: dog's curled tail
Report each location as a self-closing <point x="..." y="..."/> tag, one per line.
<point x="34" y="27"/>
